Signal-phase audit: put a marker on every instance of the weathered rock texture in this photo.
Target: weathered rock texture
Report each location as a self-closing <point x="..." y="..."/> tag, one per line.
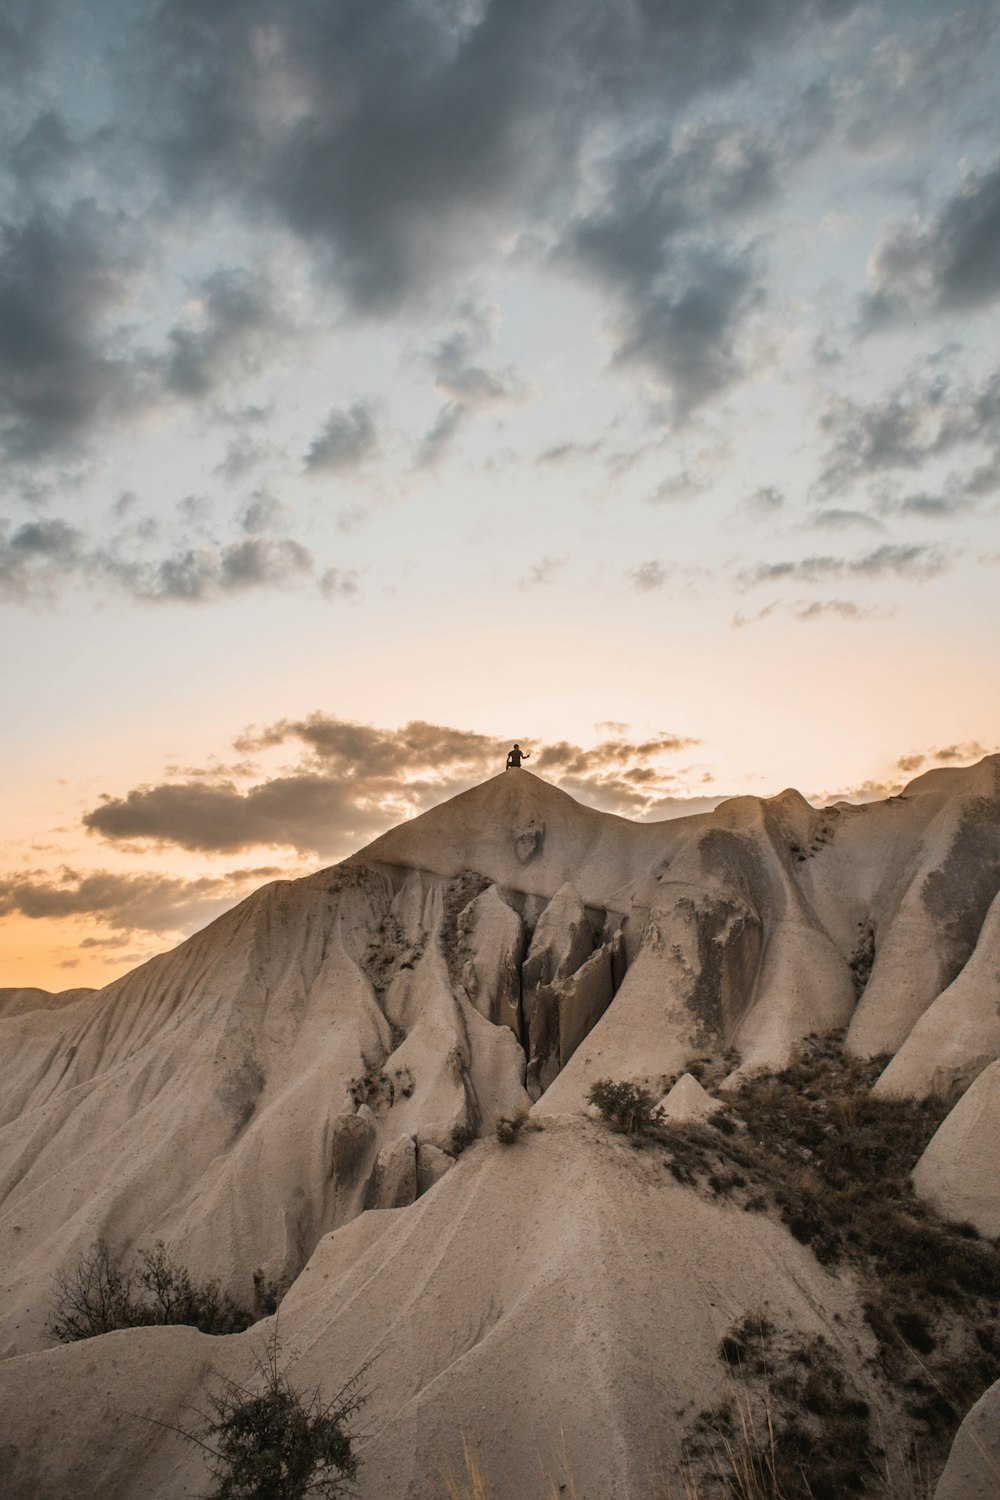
<point x="286" y="1098"/>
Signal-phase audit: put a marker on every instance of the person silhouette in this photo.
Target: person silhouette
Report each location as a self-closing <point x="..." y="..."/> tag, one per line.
<point x="515" y="757"/>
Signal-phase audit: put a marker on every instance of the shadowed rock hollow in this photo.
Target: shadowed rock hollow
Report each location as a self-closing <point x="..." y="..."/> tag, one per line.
<point x="289" y="1098"/>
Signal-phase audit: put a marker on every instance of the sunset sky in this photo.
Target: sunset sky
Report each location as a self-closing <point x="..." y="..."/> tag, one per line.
<point x="384" y="382"/>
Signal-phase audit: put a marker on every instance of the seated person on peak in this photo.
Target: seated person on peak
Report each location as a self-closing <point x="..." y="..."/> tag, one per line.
<point x="516" y="756"/>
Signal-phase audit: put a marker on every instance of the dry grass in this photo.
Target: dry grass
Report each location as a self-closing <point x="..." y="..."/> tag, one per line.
<point x="475" y="1484"/>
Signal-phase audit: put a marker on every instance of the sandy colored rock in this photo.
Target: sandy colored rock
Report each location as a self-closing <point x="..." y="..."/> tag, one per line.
<point x="687" y="1102"/>
<point x="973" y="1468"/>
<point x="959" y="1172"/>
<point x="520" y="1305"/>
<point x="432" y="1164"/>
<point x="338" y="1041"/>
<point x="393" y="1182"/>
<point x="959" y="1034"/>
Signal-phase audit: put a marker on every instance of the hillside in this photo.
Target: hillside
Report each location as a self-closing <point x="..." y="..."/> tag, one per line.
<point x="300" y="1101"/>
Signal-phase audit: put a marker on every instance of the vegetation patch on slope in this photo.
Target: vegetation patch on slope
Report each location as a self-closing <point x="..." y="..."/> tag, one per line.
<point x="812" y="1145"/>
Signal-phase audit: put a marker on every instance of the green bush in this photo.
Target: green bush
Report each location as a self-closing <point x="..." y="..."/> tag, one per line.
<point x="626" y="1106"/>
<point x="99" y="1295"/>
<point x="272" y="1442"/>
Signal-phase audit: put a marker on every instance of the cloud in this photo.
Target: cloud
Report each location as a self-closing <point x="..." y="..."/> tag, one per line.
<point x="346" y="440"/>
<point x="910" y="762"/>
<point x="62" y="274"/>
<point x="244" y="453"/>
<point x="766" y="501"/>
<point x="468" y="385"/>
<point x="303" y="812"/>
<point x="69" y="360"/>
<point x="685" y="335"/>
<point x="834" y="519"/>
<point x="198" y="575"/>
<point x="948" y="265"/>
<point x="339" y="583"/>
<point x="914" y="562"/>
<point x="844" y="609"/>
<point x="563" y="452"/>
<point x="924" y="419"/>
<point x="40" y="559"/>
<point x="438" y="437"/>
<point x="127" y="903"/>
<point x="35" y="557"/>
<point x="356" y="780"/>
<point x="665" y="240"/>
<point x="261" y="513"/>
<point x="232" y="327"/>
<point x="682" y="486"/>
<point x="405" y="141"/>
<point x="572" y="759"/>
<point x="907" y="82"/>
<point x="542" y="572"/>
<point x="648" y="577"/>
<point x="805" y="610"/>
<point x="45" y="150"/>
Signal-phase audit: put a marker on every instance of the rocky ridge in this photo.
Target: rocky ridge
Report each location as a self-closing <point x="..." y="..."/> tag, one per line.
<point x="293" y="1083"/>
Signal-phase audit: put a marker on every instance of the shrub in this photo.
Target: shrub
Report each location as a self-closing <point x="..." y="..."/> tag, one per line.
<point x="626" y="1106"/>
<point x="96" y="1296"/>
<point x="272" y="1442"/>
<point x="99" y="1295"/>
<point x="509" y="1127"/>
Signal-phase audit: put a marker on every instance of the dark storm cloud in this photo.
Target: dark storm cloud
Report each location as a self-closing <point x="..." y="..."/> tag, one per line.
<point x="46" y="149"/>
<point x="61" y="273"/>
<point x="402" y="139"/>
<point x="951" y="264"/>
<point x="69" y="362"/>
<point x="127" y="903"/>
<point x="237" y="329"/>
<point x="914" y="562"/>
<point x="403" y="142"/>
<point x="23" y="25"/>
<point x="356" y="780"/>
<point x="681" y="297"/>
<point x="346" y="439"/>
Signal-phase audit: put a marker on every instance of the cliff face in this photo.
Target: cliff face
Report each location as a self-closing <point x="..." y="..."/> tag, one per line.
<point x="331" y="1045"/>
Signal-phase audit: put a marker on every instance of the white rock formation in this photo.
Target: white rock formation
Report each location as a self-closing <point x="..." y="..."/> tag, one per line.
<point x="295" y="1095"/>
<point x="687" y="1103"/>
<point x="973" y="1468"/>
<point x="959" y="1173"/>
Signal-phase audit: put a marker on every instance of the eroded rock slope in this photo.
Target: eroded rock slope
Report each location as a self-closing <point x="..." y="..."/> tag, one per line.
<point x="334" y="1044"/>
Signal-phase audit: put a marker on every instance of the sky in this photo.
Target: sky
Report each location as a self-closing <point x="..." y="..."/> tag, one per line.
<point x="382" y="383"/>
